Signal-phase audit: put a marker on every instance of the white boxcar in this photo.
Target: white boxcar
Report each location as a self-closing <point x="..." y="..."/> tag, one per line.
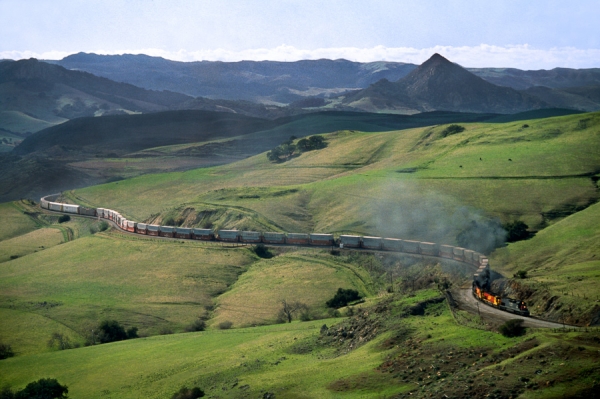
<point x="349" y="241"/>
<point x="68" y="208"/>
<point x="249" y="236"/>
<point x="203" y="234"/>
<point x="273" y="238"/>
<point x="321" y="239"/>
<point x="55" y="206"/>
<point x="229" y="235"/>
<point x="410" y="246"/>
<point x="392" y="244"/>
<point x="296" y="238"/>
<point x="372" y="242"/>
<point x="446" y="251"/>
<point x="428" y="248"/>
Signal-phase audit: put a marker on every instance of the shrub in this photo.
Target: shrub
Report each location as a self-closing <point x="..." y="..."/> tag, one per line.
<point x="516" y="231"/>
<point x="64" y="218"/>
<point x="165" y="331"/>
<point x="6" y="351"/>
<point x="225" y="325"/>
<point x="452" y="129"/>
<point x="186" y="393"/>
<point x="342" y="297"/>
<point x="111" y="331"/>
<point x="520" y="274"/>
<point x="45" y="388"/>
<point x="132" y="332"/>
<point x="169" y="221"/>
<point x="197" y="325"/>
<point x="262" y="252"/>
<point x="61" y="341"/>
<point x="102" y="226"/>
<point x="512" y="328"/>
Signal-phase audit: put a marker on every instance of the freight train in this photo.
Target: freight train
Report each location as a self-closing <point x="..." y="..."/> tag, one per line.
<point x="482" y="292"/>
<point x="481" y="279"/>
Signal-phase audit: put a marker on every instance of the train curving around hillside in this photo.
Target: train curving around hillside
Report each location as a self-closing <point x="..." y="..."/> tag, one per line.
<point x="481" y="278"/>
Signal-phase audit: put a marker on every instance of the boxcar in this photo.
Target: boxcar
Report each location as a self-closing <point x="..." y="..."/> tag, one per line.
<point x="131" y="226"/>
<point x="202" y="234"/>
<point x="152" y="229"/>
<point x="44" y="203"/>
<point x="347" y="241"/>
<point x="411" y="247"/>
<point x="458" y="253"/>
<point x="428" y="248"/>
<point x="87" y="211"/>
<point x="392" y="244"/>
<point x="141" y="228"/>
<point x="68" y="208"/>
<point x="446" y="251"/>
<point x="273" y="238"/>
<point x="183" y="232"/>
<point x="166" y="231"/>
<point x="371" y="242"/>
<point x="320" y="239"/>
<point x="55" y="206"/>
<point x="468" y="254"/>
<point x="229" y="235"/>
<point x="296" y="238"/>
<point x="106" y="214"/>
<point x="250" y="236"/>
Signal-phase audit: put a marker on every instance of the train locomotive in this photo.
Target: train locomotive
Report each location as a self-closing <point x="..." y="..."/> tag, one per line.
<point x="481" y="279"/>
<point x="482" y="292"/>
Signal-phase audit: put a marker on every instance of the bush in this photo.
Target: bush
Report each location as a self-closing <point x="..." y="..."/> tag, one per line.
<point x="186" y="393"/>
<point x="132" y="332"/>
<point x="342" y="297"/>
<point x="169" y="221"/>
<point x="512" y="328"/>
<point x="111" y="331"/>
<point x="262" y="252"/>
<point x="6" y="351"/>
<point x="225" y="325"/>
<point x="64" y="218"/>
<point x="516" y="231"/>
<point x="61" y="341"/>
<point x="45" y="388"/>
<point x="452" y="129"/>
<point x="520" y="274"/>
<point x="198" y="325"/>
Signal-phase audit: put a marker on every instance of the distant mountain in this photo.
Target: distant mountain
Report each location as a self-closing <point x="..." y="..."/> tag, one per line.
<point x="439" y="84"/>
<point x="586" y="98"/>
<point x="37" y="94"/>
<point x="286" y="82"/>
<point x="264" y="81"/>
<point x="555" y="78"/>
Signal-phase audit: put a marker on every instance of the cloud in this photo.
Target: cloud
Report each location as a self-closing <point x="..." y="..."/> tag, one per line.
<point x="517" y="56"/>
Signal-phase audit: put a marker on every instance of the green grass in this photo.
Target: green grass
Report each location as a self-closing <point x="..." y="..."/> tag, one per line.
<point x="19" y="122"/>
<point x="562" y="261"/>
<point x="37" y="240"/>
<point x="14" y="221"/>
<point x="306" y="276"/>
<point x="289" y="361"/>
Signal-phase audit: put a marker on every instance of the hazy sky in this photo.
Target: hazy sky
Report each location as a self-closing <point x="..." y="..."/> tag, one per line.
<point x="479" y="33"/>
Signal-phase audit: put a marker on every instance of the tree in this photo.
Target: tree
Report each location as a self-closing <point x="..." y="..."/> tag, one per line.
<point x="512" y="328"/>
<point x="132" y="333"/>
<point x="452" y="129"/>
<point x="60" y="340"/>
<point x="289" y="309"/>
<point x="186" y="393"/>
<point x="342" y="297"/>
<point x="45" y="388"/>
<point x="516" y="231"/>
<point x="111" y="331"/>
<point x="6" y="351"/>
<point x="64" y="218"/>
<point x="262" y="252"/>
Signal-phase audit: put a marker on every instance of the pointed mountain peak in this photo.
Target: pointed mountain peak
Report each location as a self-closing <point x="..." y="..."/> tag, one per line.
<point x="436" y="59"/>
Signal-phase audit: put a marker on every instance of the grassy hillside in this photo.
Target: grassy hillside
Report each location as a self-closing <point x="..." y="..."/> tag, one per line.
<point x="380" y="182"/>
<point x="416" y="355"/>
<point x="562" y="264"/>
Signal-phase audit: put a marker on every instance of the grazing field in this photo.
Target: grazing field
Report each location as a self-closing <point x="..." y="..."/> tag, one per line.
<point x="308" y="276"/>
<point x="421" y="355"/>
<point x="14" y="221"/>
<point x="37" y="240"/>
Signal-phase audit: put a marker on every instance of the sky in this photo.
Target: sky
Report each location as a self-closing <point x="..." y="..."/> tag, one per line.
<point x="525" y="34"/>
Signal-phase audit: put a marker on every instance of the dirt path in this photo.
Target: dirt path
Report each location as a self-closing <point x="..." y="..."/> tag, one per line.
<point x="466" y="301"/>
